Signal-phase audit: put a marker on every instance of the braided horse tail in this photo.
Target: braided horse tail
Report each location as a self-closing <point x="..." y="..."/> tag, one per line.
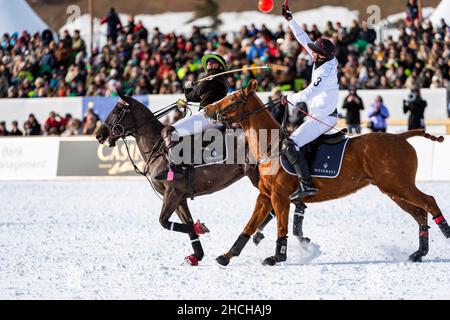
<point x="421" y="133"/>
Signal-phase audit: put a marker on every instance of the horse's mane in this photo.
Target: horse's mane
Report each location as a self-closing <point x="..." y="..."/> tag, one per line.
<point x="142" y="108"/>
<point x="267" y="111"/>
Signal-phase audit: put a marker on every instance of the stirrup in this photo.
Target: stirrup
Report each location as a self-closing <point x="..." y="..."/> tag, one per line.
<point x="303" y="192"/>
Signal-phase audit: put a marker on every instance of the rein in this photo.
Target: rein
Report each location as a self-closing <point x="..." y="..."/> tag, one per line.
<point x="220" y="114"/>
<point x="312" y="117"/>
<point x="242" y="116"/>
<point x="146" y="167"/>
<point x="118" y="131"/>
<point x="220" y="117"/>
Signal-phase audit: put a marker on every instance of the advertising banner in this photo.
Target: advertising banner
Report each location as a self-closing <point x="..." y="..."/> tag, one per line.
<point x="89" y="158"/>
<point x="28" y="158"/>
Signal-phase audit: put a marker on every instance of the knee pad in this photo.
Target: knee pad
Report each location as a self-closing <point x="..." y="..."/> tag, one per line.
<point x="288" y="144"/>
<point x="289" y="149"/>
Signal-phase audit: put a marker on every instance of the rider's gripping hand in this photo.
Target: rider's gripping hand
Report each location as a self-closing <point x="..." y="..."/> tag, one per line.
<point x="284" y="102"/>
<point x="286" y="13"/>
<point x="188" y="85"/>
<point x="181" y="103"/>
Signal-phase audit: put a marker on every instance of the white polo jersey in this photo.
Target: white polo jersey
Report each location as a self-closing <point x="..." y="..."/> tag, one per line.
<point x="323" y="92"/>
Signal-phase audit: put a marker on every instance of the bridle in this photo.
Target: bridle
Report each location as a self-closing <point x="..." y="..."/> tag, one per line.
<point x="117" y="129"/>
<point x="221" y="113"/>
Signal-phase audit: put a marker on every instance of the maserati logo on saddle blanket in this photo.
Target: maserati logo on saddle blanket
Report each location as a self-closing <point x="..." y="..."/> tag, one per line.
<point x="325" y="160"/>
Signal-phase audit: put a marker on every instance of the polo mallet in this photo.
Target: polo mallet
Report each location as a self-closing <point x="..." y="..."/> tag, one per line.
<point x="268" y="66"/>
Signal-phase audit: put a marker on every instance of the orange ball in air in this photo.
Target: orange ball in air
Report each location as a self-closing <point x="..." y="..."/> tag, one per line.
<point x="265" y="5"/>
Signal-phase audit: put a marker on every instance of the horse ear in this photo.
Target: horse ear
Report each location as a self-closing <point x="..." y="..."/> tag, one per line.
<point x="122" y="98"/>
<point x="121" y="94"/>
<point x="130" y="92"/>
<point x="252" y="86"/>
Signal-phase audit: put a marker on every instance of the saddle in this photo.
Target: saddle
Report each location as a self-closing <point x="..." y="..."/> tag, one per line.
<point x="190" y="152"/>
<point x="203" y="149"/>
<point x="324" y="155"/>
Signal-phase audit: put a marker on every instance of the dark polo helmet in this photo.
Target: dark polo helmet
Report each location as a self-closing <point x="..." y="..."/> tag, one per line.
<point x="324" y="47"/>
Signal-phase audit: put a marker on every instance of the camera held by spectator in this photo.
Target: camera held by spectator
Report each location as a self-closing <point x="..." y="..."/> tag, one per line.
<point x="416" y="106"/>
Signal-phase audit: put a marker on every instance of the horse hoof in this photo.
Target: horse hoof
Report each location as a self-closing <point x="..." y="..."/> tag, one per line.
<point x="222" y="260"/>
<point x="270" y="261"/>
<point x="415" y="257"/>
<point x="258" y="237"/>
<point x="305" y="240"/>
<point x="192" y="260"/>
<point x="305" y="243"/>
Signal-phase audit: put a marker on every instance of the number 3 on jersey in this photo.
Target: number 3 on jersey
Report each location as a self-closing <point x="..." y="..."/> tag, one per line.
<point x="319" y="79"/>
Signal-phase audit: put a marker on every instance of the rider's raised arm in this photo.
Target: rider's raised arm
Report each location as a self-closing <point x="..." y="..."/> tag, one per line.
<point x="300" y="35"/>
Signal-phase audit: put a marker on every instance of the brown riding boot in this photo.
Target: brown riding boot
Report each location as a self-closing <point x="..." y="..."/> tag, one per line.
<point x="174" y="171"/>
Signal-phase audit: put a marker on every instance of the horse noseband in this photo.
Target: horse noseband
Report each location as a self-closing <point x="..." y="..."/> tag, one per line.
<point x="117" y="129"/>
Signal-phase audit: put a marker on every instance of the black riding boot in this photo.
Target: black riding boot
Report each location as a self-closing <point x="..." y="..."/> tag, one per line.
<point x="298" y="161"/>
<point x="174" y="171"/>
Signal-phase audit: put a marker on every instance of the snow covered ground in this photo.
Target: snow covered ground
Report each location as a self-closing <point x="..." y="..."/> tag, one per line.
<point x="102" y="240"/>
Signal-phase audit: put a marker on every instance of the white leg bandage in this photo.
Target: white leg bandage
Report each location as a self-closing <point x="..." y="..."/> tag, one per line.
<point x="194" y="124"/>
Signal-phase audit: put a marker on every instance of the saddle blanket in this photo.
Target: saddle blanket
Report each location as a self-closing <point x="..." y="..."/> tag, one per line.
<point x="196" y="152"/>
<point x="325" y="160"/>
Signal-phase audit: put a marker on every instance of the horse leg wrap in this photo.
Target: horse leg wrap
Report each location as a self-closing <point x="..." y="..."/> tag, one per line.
<point x="443" y="225"/>
<point x="258" y="236"/>
<point x="281" y="250"/>
<point x="178" y="227"/>
<point x="280" y="253"/>
<point x="239" y="244"/>
<point x="197" y="246"/>
<point x="299" y="215"/>
<point x="269" y="218"/>
<point x="423" y="245"/>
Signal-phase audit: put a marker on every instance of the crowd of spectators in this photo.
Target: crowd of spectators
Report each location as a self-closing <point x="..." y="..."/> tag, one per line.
<point x="40" y="65"/>
<point x="54" y="125"/>
<point x="155" y="63"/>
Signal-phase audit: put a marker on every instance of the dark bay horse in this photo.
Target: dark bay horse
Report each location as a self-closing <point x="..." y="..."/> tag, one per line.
<point x="130" y="117"/>
<point x="385" y="160"/>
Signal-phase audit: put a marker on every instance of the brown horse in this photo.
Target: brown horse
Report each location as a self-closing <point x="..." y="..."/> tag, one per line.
<point x="385" y="160"/>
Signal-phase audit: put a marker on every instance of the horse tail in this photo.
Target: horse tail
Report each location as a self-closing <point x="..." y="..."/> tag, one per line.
<point x="421" y="133"/>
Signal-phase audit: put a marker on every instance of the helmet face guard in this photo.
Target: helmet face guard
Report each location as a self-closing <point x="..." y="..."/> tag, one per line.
<point x="216" y="57"/>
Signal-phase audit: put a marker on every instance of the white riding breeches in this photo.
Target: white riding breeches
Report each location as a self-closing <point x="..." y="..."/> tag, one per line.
<point x="312" y="129"/>
<point x="194" y="124"/>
